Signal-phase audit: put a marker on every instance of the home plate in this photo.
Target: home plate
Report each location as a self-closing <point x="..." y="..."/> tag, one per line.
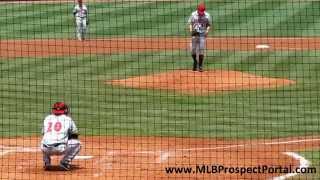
<point x="262" y="46"/>
<point x="83" y="157"/>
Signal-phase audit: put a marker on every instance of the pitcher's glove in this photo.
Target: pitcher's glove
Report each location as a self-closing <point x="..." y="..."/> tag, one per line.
<point x="73" y="136"/>
<point x="195" y="33"/>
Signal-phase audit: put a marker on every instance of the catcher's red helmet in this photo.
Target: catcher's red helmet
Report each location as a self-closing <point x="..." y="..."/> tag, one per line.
<point x="201" y="8"/>
<point x="60" y="108"/>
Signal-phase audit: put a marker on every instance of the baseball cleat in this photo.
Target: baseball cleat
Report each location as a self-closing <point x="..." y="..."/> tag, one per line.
<point x="65" y="166"/>
<point x="46" y="166"/>
<point x="200" y="69"/>
<point x="194" y="67"/>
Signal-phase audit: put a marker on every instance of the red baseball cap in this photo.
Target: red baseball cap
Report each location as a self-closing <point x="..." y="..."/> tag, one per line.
<point x="59" y="108"/>
<point x="201" y="8"/>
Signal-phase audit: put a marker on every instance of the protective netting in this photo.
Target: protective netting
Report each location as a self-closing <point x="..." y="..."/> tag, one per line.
<point x="159" y="89"/>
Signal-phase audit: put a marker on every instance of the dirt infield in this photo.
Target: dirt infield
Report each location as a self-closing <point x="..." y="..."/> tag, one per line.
<point x="63" y="47"/>
<point x="147" y="157"/>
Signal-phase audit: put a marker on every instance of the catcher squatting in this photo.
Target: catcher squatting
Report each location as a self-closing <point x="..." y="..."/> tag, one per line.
<point x="199" y="26"/>
<point x="60" y="137"/>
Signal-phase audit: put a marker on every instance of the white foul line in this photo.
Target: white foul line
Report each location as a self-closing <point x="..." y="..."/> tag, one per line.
<point x="9" y="149"/>
<point x="244" y="145"/>
<point x="302" y="161"/>
<point x="83" y="157"/>
<point x="163" y="157"/>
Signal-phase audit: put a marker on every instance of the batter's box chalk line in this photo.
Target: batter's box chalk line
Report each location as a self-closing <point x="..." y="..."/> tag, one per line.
<point x="165" y="155"/>
<point x="5" y="150"/>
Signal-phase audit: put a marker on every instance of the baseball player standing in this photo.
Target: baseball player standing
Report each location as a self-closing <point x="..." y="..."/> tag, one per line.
<point x="199" y="26"/>
<point x="60" y="137"/>
<point x="80" y="13"/>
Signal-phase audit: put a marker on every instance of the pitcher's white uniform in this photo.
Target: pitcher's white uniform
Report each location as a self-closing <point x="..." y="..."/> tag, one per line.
<point x="80" y="12"/>
<point x="199" y="26"/>
<point x="56" y="130"/>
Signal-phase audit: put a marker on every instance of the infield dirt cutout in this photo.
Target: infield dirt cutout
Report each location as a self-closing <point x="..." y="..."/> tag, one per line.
<point x="147" y="157"/>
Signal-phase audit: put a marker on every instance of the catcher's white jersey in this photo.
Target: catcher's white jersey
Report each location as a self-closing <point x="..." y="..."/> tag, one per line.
<point x="57" y="128"/>
<point x="80" y="12"/>
<point x="200" y="23"/>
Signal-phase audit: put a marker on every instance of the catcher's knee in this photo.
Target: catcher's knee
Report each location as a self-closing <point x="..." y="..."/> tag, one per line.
<point x="74" y="147"/>
<point x="74" y="142"/>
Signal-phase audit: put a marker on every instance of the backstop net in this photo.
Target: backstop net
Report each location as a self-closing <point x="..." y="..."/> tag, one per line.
<point x="159" y="89"/>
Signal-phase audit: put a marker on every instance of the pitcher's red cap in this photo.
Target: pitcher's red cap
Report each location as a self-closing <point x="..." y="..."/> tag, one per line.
<point x="201" y="8"/>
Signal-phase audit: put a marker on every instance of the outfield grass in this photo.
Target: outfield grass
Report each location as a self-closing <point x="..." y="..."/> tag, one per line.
<point x="29" y="86"/>
<point x="231" y="18"/>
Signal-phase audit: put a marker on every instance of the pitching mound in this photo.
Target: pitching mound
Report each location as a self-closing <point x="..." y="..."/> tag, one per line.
<point x="202" y="83"/>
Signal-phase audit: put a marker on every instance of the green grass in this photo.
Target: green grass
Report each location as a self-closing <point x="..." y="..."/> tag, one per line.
<point x="230" y="18"/>
<point x="29" y="86"/>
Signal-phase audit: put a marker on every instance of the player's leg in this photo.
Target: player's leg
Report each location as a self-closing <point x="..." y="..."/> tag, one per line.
<point x="72" y="149"/>
<point x="83" y="29"/>
<point x="202" y="46"/>
<point x="50" y="150"/>
<point x="46" y="158"/>
<point x="46" y="154"/>
<point x="194" y="48"/>
<point x="78" y="28"/>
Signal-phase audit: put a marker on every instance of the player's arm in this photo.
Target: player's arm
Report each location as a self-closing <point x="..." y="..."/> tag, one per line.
<point x="208" y="29"/>
<point x="190" y="28"/>
<point x="74" y="11"/>
<point x="190" y="24"/>
<point x="209" y="25"/>
<point x="73" y="131"/>
<point x="87" y="16"/>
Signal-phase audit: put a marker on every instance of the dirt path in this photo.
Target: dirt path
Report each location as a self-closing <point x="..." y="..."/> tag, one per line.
<point x="64" y="47"/>
<point x="147" y="157"/>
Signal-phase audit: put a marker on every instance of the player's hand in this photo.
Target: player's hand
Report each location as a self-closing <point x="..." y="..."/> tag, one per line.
<point x="206" y="33"/>
<point x="73" y="136"/>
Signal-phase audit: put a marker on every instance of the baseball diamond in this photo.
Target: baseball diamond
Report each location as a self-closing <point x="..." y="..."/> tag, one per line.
<point x="130" y="100"/>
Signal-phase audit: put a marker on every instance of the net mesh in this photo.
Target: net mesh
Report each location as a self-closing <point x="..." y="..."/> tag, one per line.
<point x="151" y="98"/>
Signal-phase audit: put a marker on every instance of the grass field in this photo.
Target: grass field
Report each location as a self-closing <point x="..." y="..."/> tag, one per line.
<point x="28" y="86"/>
<point x="231" y="18"/>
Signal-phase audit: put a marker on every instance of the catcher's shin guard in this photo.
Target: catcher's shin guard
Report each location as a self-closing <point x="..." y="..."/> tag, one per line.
<point x="73" y="148"/>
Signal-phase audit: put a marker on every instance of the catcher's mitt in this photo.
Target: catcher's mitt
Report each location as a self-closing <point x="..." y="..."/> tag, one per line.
<point x="73" y="136"/>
